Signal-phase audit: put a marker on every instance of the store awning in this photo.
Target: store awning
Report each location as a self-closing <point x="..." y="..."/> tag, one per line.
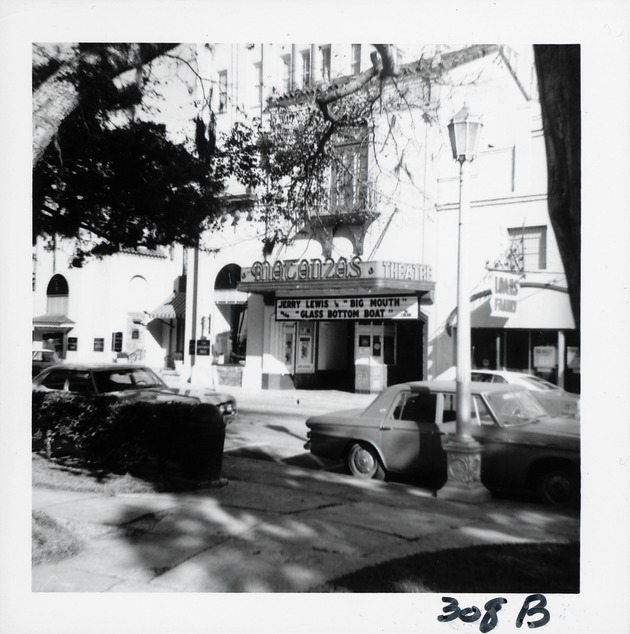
<point x="52" y="322"/>
<point x="540" y="307"/>
<point x="173" y="307"/>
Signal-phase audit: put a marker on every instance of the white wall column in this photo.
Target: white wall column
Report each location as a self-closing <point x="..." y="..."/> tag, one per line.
<point x="561" y="357"/>
<point x="252" y="372"/>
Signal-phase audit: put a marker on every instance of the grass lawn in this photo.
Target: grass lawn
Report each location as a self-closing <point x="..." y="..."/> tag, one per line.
<point x="70" y="475"/>
<point x="53" y="540"/>
<point x="507" y="568"/>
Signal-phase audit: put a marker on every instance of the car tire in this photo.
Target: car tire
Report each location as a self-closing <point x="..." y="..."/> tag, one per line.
<point x="558" y="485"/>
<point x="362" y="461"/>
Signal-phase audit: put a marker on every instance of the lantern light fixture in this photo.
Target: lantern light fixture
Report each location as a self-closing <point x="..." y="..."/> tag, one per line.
<point x="464" y="131"/>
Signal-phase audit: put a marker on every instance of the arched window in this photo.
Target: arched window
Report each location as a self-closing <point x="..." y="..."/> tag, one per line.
<point x="137" y="294"/>
<point x="228" y="277"/>
<point x="57" y="293"/>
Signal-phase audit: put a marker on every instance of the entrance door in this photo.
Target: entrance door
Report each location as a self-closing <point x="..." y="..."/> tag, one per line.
<point x="409" y="351"/>
<point x="305" y="350"/>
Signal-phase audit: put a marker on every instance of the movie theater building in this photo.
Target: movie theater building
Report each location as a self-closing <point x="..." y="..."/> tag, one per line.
<point x="365" y="295"/>
<point x="365" y="299"/>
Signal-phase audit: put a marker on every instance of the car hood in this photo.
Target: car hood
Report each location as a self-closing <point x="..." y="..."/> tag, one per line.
<point x="552" y="426"/>
<point x="559" y="403"/>
<point x="334" y="417"/>
<point x="155" y="394"/>
<point x="205" y="395"/>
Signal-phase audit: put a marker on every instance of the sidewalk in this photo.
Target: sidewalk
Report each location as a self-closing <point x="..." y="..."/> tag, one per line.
<point x="273" y="528"/>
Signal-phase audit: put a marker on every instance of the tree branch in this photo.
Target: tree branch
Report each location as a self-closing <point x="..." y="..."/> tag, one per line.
<point x="58" y="96"/>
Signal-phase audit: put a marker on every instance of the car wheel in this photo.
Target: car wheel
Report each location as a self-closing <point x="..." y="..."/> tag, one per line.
<point x="363" y="462"/>
<point x="558" y="485"/>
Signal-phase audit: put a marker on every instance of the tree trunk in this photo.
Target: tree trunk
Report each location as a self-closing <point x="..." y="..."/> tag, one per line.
<point x="58" y="96"/>
<point x="558" y="69"/>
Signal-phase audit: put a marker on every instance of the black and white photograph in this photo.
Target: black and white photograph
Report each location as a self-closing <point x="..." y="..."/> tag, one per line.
<point x="311" y="317"/>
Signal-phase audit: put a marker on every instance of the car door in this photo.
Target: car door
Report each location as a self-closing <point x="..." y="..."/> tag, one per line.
<point x="409" y="436"/>
<point x="485" y="430"/>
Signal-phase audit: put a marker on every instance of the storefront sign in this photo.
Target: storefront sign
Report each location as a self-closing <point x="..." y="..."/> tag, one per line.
<point x="545" y="357"/>
<point x="317" y="269"/>
<point x="336" y="308"/>
<point x="505" y="288"/>
<point x="99" y="344"/>
<point x="203" y="347"/>
<point x="72" y="343"/>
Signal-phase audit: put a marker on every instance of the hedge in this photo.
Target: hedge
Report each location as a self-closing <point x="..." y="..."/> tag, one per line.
<point x="130" y="436"/>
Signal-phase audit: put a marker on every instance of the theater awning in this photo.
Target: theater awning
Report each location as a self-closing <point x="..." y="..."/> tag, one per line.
<point x="173" y="307"/>
<point x="52" y="322"/>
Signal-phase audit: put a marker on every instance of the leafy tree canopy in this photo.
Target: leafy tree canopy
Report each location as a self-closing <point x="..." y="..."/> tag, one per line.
<point x="112" y="181"/>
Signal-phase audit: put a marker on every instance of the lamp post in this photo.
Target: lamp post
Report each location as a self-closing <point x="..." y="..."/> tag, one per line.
<point x="463" y="451"/>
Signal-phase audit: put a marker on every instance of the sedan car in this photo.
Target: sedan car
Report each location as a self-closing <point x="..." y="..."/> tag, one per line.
<point x="554" y="399"/>
<point x="402" y="430"/>
<point x="129" y="382"/>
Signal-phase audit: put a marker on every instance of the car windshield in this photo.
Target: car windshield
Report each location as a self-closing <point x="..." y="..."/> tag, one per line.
<point x="515" y="407"/>
<point x="126" y="379"/>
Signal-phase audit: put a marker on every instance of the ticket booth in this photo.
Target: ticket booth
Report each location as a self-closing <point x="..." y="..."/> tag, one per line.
<point x="374" y="346"/>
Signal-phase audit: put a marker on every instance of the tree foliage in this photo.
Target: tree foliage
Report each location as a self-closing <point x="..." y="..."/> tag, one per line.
<point x="113" y="181"/>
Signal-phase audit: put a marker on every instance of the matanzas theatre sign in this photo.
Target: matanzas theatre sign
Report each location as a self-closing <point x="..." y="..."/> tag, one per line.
<point x="328" y="289"/>
<point x="316" y="269"/>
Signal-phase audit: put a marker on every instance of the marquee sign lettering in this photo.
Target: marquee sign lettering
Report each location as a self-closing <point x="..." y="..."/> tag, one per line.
<point x="316" y="269"/>
<point x="339" y="308"/>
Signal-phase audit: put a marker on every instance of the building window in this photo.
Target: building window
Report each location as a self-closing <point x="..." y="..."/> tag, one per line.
<point x="356" y="59"/>
<point x="306" y="67"/>
<point x="57" y="296"/>
<point x="287" y="73"/>
<point x="258" y="83"/>
<point x="325" y="69"/>
<point x="349" y="190"/>
<point x="530" y="245"/>
<point x="223" y="91"/>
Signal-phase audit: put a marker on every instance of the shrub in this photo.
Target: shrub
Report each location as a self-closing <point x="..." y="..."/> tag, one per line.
<point x="131" y="436"/>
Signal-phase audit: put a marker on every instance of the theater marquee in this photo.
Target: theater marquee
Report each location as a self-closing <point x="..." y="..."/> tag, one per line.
<point x="336" y="308"/>
<point x="343" y="277"/>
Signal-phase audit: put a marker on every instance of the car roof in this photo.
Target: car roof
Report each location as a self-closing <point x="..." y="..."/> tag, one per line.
<point x="450" y="386"/>
<point x="98" y="366"/>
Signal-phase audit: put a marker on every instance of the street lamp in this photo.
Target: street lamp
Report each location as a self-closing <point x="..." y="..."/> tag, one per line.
<point x="463" y="451"/>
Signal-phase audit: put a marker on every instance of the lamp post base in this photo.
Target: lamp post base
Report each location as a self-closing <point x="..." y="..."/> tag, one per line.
<point x="463" y="483"/>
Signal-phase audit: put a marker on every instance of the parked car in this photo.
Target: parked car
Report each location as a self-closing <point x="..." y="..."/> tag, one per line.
<point x="128" y="382"/>
<point x="402" y="430"/>
<point x="554" y="399"/>
<point x="42" y="358"/>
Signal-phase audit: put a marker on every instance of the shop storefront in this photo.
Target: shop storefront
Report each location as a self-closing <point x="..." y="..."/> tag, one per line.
<point x="525" y="327"/>
<point x="343" y="324"/>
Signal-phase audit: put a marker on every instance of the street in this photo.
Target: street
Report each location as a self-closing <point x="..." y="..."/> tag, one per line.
<point x="271" y="423"/>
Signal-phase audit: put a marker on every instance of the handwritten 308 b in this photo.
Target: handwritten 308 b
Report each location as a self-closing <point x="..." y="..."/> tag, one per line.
<point x="534" y="607"/>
